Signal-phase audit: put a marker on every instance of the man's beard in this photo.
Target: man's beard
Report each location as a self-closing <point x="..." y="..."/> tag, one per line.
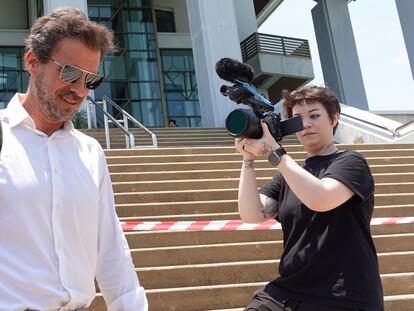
<point x="52" y="109"/>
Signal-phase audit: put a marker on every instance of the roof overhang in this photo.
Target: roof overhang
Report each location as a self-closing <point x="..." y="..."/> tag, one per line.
<point x="263" y="9"/>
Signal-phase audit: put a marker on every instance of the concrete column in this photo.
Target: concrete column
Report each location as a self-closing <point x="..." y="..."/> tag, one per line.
<point x="214" y="35"/>
<point x="245" y="18"/>
<point x="338" y="53"/>
<point x="50" y="5"/>
<point x="405" y="10"/>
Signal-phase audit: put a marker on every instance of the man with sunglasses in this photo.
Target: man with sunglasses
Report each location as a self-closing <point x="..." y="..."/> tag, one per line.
<point x="58" y="226"/>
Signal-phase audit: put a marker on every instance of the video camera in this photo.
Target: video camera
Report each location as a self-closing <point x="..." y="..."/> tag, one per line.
<point x="245" y="122"/>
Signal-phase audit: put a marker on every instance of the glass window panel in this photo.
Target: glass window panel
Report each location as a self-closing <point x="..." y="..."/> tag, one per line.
<point x="124" y="105"/>
<point x="173" y="94"/>
<point x="196" y="122"/>
<point x="165" y="21"/>
<point x="107" y="24"/>
<point x="182" y="121"/>
<point x="181" y="85"/>
<point x="145" y="90"/>
<point x="134" y="75"/>
<point x="114" y="90"/>
<point x="119" y="90"/>
<point x="118" y="21"/>
<point x="140" y="3"/>
<point x="105" y="12"/>
<point x="103" y="89"/>
<point x="183" y="108"/>
<point x="8" y="80"/>
<point x="105" y="2"/>
<point x="114" y="67"/>
<point x="25" y="82"/>
<point x="5" y="97"/>
<point x="93" y="12"/>
<point x="175" y="108"/>
<point x="141" y="69"/>
<point x="139" y="21"/>
<point x="10" y="58"/>
<point x="149" y="113"/>
<point x="135" y="42"/>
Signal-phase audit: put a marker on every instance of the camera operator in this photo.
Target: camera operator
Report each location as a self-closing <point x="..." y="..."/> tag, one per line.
<point x="329" y="260"/>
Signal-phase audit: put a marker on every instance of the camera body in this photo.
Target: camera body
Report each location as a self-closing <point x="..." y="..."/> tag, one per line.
<point x="246" y="123"/>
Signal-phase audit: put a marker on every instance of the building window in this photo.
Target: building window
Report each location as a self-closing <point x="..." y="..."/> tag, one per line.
<point x="39" y="8"/>
<point x="165" y="21"/>
<point x="180" y="86"/>
<point x="132" y="78"/>
<point x="13" y="77"/>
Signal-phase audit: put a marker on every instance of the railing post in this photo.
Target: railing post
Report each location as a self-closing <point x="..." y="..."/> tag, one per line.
<point x="127" y="140"/>
<point x="88" y="114"/>
<point x="107" y="137"/>
<point x="154" y="140"/>
<point x="257" y="41"/>
<point x="131" y="141"/>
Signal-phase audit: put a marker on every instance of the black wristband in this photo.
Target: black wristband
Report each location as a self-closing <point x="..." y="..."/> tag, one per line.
<point x="276" y="156"/>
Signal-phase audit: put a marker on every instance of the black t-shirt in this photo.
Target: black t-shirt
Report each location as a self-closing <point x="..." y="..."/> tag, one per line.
<point x="329" y="258"/>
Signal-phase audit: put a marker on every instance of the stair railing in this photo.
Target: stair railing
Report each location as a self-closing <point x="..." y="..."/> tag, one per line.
<point x="129" y="137"/>
<point x="130" y="140"/>
<point x="389" y="130"/>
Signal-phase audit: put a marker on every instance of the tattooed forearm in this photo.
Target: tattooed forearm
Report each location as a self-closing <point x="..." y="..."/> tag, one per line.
<point x="248" y="164"/>
<point x="269" y="208"/>
<point x="265" y="150"/>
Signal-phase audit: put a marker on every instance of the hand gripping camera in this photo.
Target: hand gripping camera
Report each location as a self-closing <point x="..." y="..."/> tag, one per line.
<point x="246" y="122"/>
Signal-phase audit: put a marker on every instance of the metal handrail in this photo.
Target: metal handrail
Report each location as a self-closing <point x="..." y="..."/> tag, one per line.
<point x="402" y="127"/>
<point x="394" y="131"/>
<point x="128" y="134"/>
<point x="127" y="116"/>
<point x="266" y="43"/>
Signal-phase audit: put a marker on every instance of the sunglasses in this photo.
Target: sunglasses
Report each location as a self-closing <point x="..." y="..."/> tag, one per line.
<point x="71" y="74"/>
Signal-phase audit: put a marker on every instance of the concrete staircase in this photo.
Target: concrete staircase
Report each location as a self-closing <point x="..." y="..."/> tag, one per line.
<point x="220" y="270"/>
<point x="170" y="137"/>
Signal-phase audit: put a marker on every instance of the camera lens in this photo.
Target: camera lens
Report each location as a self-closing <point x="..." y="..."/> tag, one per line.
<point x="243" y="123"/>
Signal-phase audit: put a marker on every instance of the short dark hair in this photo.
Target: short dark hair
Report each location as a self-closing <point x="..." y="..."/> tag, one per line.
<point x="309" y="94"/>
<point x="62" y="23"/>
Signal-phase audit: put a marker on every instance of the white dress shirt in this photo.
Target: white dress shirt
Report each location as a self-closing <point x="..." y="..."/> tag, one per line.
<point x="58" y="225"/>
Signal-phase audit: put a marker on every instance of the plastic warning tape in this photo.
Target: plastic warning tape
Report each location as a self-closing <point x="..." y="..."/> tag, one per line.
<point x="230" y="225"/>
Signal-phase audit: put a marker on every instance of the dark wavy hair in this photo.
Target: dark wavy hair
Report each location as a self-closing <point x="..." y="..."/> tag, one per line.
<point x="62" y="23"/>
<point x="310" y="94"/>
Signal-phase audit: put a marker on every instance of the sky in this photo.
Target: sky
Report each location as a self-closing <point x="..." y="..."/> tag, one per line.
<point x="380" y="45"/>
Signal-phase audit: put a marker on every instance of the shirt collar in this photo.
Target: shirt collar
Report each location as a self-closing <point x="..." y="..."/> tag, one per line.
<point x="16" y="114"/>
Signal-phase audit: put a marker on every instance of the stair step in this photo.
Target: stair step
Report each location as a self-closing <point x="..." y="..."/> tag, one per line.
<point x="231" y="194"/>
<point x="183" y="182"/>
<point x="227" y="183"/>
<point x="144" y="239"/>
<point x="230" y="296"/>
<point x="247" y="251"/>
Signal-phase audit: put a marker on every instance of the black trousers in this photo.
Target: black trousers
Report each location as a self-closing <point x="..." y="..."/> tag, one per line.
<point x="264" y="302"/>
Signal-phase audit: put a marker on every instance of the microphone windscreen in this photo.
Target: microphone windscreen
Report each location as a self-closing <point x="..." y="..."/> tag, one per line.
<point x="230" y="69"/>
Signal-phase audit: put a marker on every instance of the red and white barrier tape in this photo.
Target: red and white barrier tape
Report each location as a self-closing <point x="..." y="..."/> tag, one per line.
<point x="226" y="225"/>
